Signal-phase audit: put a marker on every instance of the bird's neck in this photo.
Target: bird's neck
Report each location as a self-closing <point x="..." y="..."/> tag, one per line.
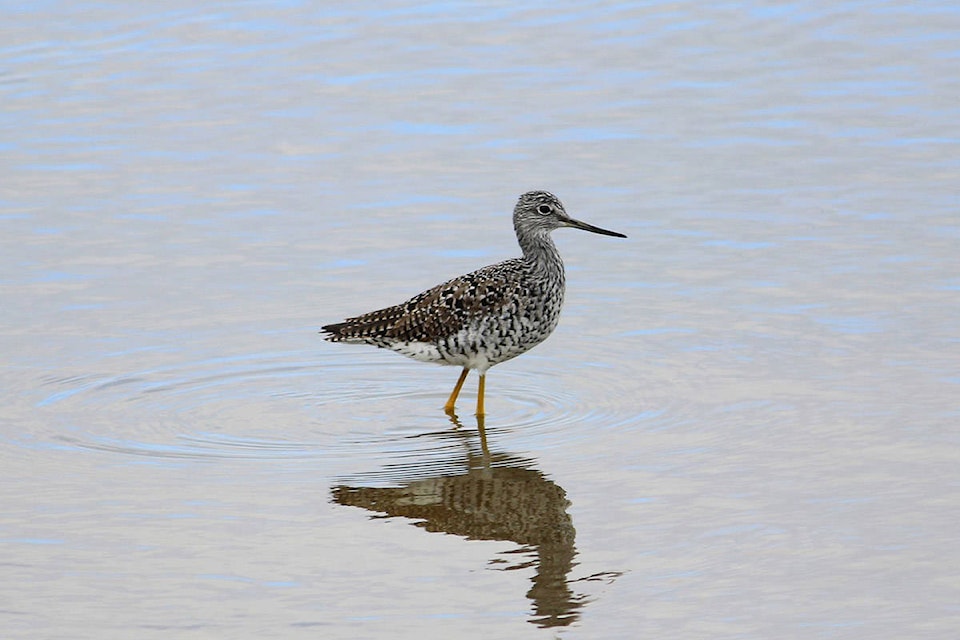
<point x="539" y="250"/>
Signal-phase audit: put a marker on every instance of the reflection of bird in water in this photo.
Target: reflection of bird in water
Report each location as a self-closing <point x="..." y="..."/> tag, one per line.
<point x="496" y="497"/>
<point x="485" y="317"/>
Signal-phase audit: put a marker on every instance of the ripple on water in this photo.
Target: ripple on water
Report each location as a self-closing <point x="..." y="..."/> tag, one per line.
<point x="254" y="406"/>
<point x="281" y="405"/>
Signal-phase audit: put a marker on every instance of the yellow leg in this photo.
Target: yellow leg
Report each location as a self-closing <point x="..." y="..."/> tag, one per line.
<point x="452" y="400"/>
<point x="483" y="379"/>
<point x="482" y="430"/>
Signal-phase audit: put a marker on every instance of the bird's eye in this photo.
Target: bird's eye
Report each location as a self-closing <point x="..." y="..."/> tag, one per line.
<point x="544" y="209"/>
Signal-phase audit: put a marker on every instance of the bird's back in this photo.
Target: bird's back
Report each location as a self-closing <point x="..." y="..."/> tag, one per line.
<point x="478" y="319"/>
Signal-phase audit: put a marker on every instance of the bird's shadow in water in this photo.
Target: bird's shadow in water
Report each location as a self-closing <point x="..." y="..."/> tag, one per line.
<point x="484" y="496"/>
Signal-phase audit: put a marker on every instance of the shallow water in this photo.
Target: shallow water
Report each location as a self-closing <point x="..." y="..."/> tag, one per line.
<point x="745" y="425"/>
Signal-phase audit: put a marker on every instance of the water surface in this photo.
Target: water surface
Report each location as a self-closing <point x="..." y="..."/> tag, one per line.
<point x="745" y="425"/>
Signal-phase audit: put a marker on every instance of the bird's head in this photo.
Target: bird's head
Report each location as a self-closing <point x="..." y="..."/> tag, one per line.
<point x="539" y="212"/>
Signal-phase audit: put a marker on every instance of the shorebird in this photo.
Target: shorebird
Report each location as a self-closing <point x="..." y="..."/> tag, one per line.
<point x="487" y="316"/>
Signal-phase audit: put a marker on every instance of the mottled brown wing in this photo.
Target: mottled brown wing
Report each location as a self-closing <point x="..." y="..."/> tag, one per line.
<point x="447" y="308"/>
<point x="369" y="325"/>
<point x="436" y="313"/>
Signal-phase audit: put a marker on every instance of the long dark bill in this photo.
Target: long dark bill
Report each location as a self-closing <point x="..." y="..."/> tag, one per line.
<point x="589" y="227"/>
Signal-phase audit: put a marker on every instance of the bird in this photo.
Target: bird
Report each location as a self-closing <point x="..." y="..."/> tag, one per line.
<point x="487" y="316"/>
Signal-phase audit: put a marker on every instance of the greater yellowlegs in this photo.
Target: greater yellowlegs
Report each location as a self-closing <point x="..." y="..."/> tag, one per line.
<point x="487" y="316"/>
